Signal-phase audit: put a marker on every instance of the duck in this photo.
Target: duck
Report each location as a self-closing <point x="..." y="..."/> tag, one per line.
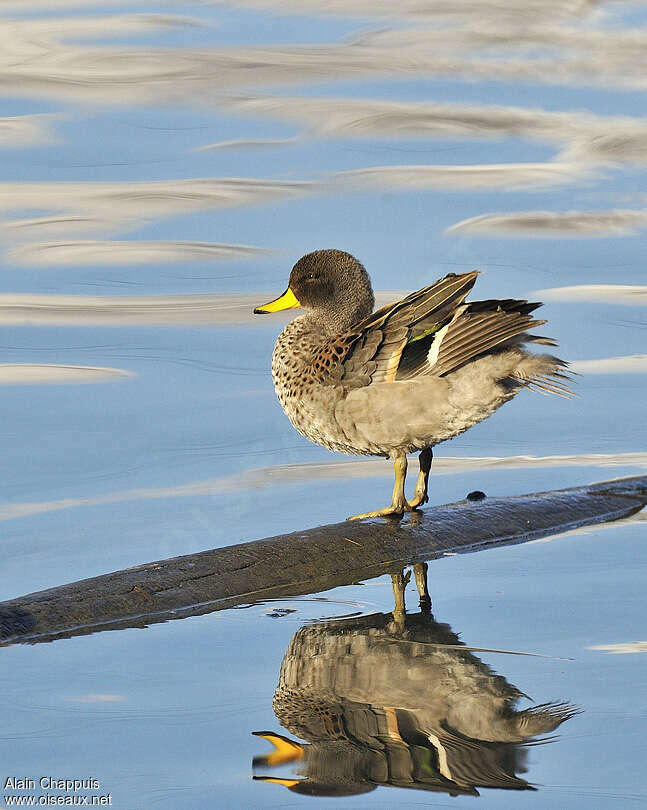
<point x="403" y="378"/>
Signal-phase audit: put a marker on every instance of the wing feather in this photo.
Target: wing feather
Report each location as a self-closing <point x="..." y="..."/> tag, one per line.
<point x="380" y="339"/>
<point x="470" y="335"/>
<point x="433" y="331"/>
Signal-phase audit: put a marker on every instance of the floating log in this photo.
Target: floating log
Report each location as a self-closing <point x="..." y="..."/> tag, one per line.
<point x="307" y="561"/>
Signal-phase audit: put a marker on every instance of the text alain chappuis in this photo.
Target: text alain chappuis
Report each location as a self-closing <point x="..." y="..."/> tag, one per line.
<point x="67" y="792"/>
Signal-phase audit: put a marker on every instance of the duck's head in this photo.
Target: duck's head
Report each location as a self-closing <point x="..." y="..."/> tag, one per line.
<point x="331" y="285"/>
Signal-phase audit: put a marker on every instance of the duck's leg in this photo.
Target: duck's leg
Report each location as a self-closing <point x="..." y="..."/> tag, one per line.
<point x="420" y="495"/>
<point x="399" y="582"/>
<point x="399" y="502"/>
<point x="420" y="573"/>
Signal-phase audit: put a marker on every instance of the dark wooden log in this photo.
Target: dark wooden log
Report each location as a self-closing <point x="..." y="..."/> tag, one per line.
<point x="307" y="561"/>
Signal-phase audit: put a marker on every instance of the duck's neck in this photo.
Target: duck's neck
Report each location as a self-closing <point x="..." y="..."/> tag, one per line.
<point x="339" y="318"/>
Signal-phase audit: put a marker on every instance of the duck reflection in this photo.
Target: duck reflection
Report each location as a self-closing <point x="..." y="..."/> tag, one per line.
<point x="397" y="700"/>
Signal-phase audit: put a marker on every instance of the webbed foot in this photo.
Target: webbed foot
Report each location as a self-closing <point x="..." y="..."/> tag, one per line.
<point x="395" y="510"/>
<point x="418" y="499"/>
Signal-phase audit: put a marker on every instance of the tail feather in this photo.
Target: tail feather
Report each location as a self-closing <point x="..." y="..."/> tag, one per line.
<point x="544" y="718"/>
<point x="470" y="335"/>
<point x="545" y="374"/>
<point x="541" y="339"/>
<point x="445" y="333"/>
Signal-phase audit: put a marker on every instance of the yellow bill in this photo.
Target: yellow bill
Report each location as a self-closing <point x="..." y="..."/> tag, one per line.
<point x="285" y="749"/>
<point x="286" y="301"/>
<point x="288" y="783"/>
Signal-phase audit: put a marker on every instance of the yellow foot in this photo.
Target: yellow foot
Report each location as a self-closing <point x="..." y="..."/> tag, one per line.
<point x="418" y="499"/>
<point x="395" y="510"/>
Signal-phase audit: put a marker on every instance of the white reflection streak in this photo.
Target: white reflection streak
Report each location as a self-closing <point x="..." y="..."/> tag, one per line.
<point x="622" y="648"/>
<point x="55" y="254"/>
<point x="505" y="176"/>
<point x="298" y="473"/>
<point x="23" y="6"/>
<point x="628" y="294"/>
<point x="39" y="32"/>
<point x="162" y="310"/>
<point x="141" y="200"/>
<point x="626" y="364"/>
<point x="548" y="224"/>
<point x="25" y="229"/>
<point x="56" y="374"/>
<point x="247" y="143"/>
<point x="20" y="131"/>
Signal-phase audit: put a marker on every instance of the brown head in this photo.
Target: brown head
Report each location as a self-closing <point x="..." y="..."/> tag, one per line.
<point x="332" y="286"/>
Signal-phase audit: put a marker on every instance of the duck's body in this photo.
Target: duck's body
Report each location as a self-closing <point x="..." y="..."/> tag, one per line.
<point x="407" y="377"/>
<point x="381" y="418"/>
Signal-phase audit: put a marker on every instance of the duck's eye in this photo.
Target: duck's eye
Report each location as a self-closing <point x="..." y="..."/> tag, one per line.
<point x="311" y="276"/>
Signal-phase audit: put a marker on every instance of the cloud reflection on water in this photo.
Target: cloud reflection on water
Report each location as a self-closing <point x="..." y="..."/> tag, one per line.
<point x="629" y="364"/>
<point x="118" y="201"/>
<point x="549" y="224"/>
<point x="247" y="143"/>
<point x="488" y="41"/>
<point x="503" y="176"/>
<point x="52" y="254"/>
<point x="628" y="294"/>
<point x="19" y="131"/>
<point x="318" y="471"/>
<point x="56" y="374"/>
<point x="622" y="648"/>
<point x="549" y="42"/>
<point x="581" y="136"/>
<point x="102" y="208"/>
<point x="22" y="6"/>
<point x="41" y="35"/>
